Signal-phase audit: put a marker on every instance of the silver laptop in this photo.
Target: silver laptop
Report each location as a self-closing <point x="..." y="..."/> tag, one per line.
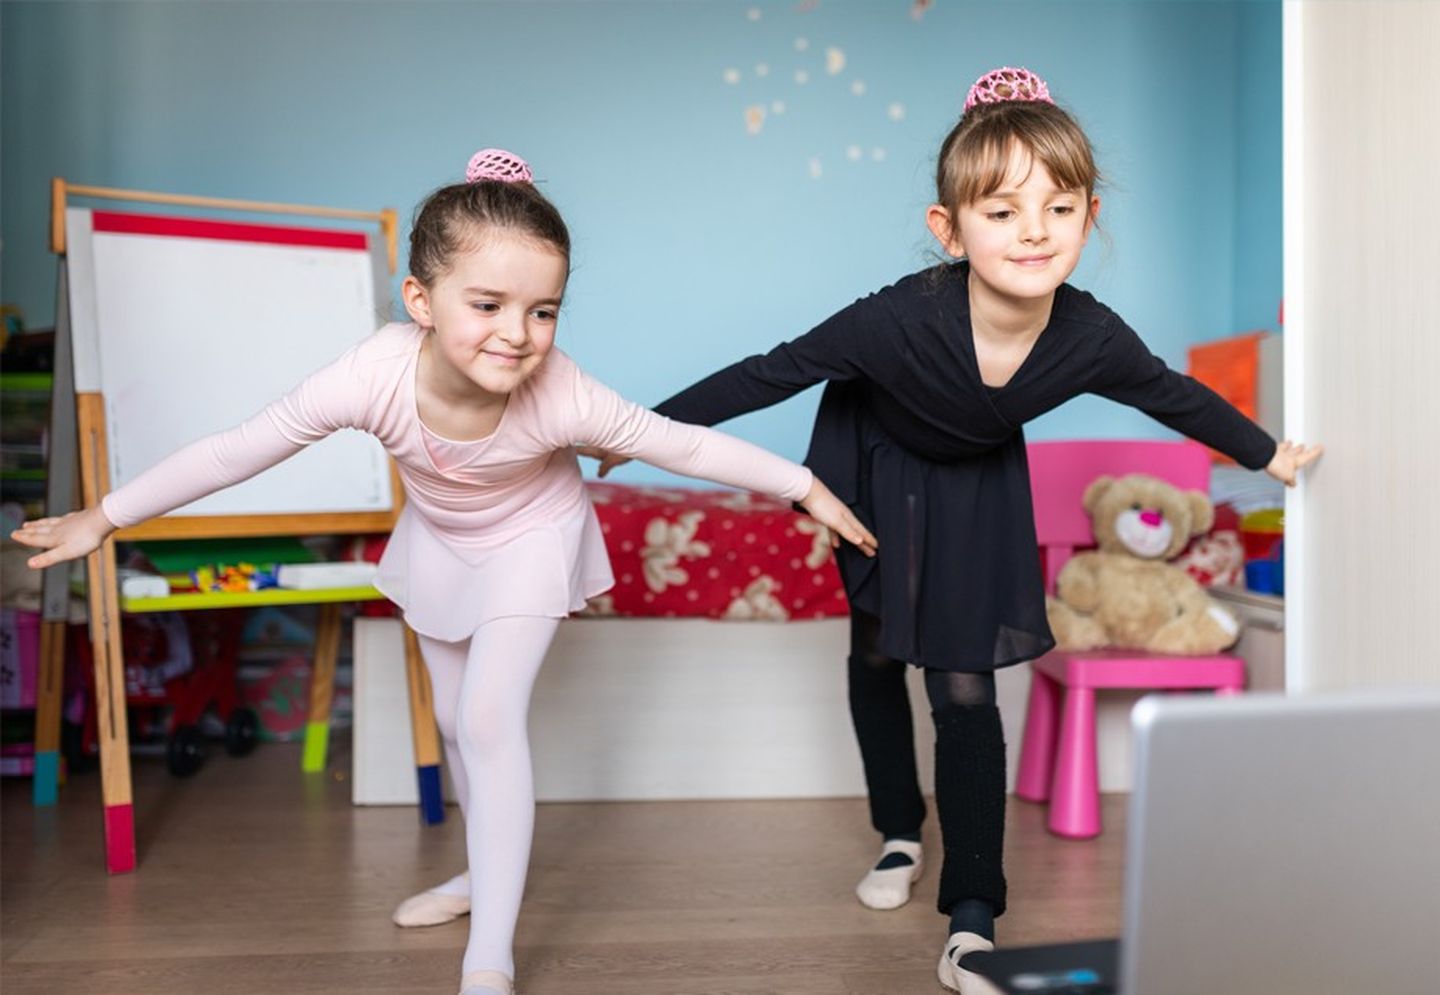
<point x="1277" y="846"/>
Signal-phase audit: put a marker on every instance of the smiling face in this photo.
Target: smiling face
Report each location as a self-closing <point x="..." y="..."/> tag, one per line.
<point x="492" y="313"/>
<point x="1024" y="238"/>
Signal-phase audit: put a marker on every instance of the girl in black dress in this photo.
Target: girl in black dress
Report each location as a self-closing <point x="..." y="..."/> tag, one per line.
<point x="928" y="384"/>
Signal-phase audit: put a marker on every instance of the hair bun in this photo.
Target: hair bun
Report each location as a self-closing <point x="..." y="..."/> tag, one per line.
<point x="1005" y="84"/>
<point x="499" y="166"/>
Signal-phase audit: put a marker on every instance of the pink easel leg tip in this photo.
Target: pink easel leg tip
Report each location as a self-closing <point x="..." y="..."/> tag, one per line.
<point x="120" y="839"/>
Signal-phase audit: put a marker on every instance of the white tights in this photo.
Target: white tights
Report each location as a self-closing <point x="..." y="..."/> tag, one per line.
<point x="482" y="702"/>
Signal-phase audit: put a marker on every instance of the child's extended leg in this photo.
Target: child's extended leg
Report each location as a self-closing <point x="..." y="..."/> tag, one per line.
<point x="505" y="656"/>
<point x="970" y="799"/>
<point x="880" y="711"/>
<point x="445" y="663"/>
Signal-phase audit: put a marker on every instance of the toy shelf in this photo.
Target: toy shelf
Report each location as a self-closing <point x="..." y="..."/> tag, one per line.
<point x="195" y="601"/>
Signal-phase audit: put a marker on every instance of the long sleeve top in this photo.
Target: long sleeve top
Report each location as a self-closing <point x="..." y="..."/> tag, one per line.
<point x="517" y="489"/>
<point x="907" y="424"/>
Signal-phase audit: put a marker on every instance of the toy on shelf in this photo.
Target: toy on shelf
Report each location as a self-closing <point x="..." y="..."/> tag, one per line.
<point x="231" y="579"/>
<point x="1263" y="535"/>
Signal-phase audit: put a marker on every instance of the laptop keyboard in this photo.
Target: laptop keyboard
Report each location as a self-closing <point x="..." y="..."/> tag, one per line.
<point x="1084" y="968"/>
<point x="1079" y="981"/>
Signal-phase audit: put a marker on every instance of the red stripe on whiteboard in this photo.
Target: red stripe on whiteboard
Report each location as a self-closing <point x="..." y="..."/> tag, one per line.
<point x="224" y="231"/>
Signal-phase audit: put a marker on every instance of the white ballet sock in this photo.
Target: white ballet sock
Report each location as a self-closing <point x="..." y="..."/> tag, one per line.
<point x="890" y="888"/>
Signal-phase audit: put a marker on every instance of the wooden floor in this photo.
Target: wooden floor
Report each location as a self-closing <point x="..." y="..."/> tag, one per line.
<point x="256" y="879"/>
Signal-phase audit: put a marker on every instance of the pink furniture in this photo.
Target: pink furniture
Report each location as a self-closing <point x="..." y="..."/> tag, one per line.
<point x="1058" y="760"/>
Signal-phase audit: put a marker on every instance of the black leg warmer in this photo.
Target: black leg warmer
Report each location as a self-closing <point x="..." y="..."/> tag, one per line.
<point x="970" y="797"/>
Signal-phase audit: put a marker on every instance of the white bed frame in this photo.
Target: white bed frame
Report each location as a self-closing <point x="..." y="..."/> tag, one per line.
<point x="643" y="709"/>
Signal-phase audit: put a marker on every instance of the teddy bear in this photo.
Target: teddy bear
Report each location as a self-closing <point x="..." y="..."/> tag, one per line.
<point x="1125" y="594"/>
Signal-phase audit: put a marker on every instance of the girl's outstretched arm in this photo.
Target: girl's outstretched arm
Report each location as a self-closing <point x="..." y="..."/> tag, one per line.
<point x="612" y="424"/>
<point x="323" y="402"/>
<point x="843" y="347"/>
<point x="188" y="474"/>
<point x="1128" y="372"/>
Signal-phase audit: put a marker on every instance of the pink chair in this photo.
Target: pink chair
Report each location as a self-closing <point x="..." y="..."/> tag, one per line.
<point x="1058" y="761"/>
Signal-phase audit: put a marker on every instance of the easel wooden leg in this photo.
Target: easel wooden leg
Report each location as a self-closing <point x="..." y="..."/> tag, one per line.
<point x="62" y="489"/>
<point x="322" y="689"/>
<point x="424" y="733"/>
<point x="110" y="712"/>
<point x="48" y="693"/>
<point x="104" y="596"/>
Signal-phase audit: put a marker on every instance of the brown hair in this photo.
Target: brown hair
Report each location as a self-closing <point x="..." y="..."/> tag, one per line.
<point x="455" y="218"/>
<point x="975" y="156"/>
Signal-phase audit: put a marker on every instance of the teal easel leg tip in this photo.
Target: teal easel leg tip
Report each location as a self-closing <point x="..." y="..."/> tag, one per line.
<point x="47" y="777"/>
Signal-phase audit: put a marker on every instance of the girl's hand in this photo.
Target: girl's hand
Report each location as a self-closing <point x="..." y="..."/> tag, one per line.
<point x="66" y="538"/>
<point x="832" y="513"/>
<point x="608" y="460"/>
<point x="1290" y="458"/>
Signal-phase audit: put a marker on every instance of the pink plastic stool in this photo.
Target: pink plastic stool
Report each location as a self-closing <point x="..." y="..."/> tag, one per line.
<point x="1058" y="759"/>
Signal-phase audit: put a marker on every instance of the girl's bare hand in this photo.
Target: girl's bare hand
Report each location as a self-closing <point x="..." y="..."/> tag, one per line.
<point x="1289" y="459"/>
<point x="832" y="513"/>
<point x="66" y="538"/>
<point x="608" y="460"/>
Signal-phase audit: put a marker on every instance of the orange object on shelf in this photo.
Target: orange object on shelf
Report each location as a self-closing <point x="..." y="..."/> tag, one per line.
<point x="1231" y="368"/>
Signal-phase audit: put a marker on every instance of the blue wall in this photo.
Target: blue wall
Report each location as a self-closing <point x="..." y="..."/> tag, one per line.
<point x="1259" y="261"/>
<point x="695" y="242"/>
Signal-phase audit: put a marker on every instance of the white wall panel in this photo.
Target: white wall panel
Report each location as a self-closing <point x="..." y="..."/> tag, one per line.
<point x="1362" y="219"/>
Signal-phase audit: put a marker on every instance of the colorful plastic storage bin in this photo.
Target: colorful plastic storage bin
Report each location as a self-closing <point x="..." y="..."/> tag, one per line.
<point x="1262" y="534"/>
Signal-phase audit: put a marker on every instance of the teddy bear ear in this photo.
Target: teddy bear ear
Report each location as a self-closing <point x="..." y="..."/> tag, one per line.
<point x="1202" y="512"/>
<point x="1095" y="492"/>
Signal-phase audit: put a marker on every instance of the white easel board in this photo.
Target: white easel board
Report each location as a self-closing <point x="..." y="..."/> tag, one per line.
<point x="189" y="326"/>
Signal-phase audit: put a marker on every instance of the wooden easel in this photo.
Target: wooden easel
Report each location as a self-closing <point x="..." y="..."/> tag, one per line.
<point x="79" y="435"/>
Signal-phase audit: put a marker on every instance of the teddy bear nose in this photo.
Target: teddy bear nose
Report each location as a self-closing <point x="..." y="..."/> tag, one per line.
<point x="1151" y="517"/>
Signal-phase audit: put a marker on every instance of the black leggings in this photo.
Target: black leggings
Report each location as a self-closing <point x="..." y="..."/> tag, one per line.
<point x="969" y="763"/>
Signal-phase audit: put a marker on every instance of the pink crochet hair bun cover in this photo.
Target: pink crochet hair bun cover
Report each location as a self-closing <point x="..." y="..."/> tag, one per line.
<point x="499" y="166"/>
<point x="1005" y="84"/>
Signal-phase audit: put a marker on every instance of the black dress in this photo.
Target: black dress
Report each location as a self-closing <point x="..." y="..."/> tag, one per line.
<point x="933" y="461"/>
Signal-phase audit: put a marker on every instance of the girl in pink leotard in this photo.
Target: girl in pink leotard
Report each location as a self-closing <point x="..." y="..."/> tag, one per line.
<point x="497" y="541"/>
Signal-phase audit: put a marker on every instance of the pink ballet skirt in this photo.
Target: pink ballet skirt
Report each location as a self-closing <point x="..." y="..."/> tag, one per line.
<point x="550" y="570"/>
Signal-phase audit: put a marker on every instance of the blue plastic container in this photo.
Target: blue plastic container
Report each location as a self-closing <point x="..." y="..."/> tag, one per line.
<point x="1267" y="576"/>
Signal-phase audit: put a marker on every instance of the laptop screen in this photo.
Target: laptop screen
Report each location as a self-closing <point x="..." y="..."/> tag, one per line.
<point x="1284" y="845"/>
